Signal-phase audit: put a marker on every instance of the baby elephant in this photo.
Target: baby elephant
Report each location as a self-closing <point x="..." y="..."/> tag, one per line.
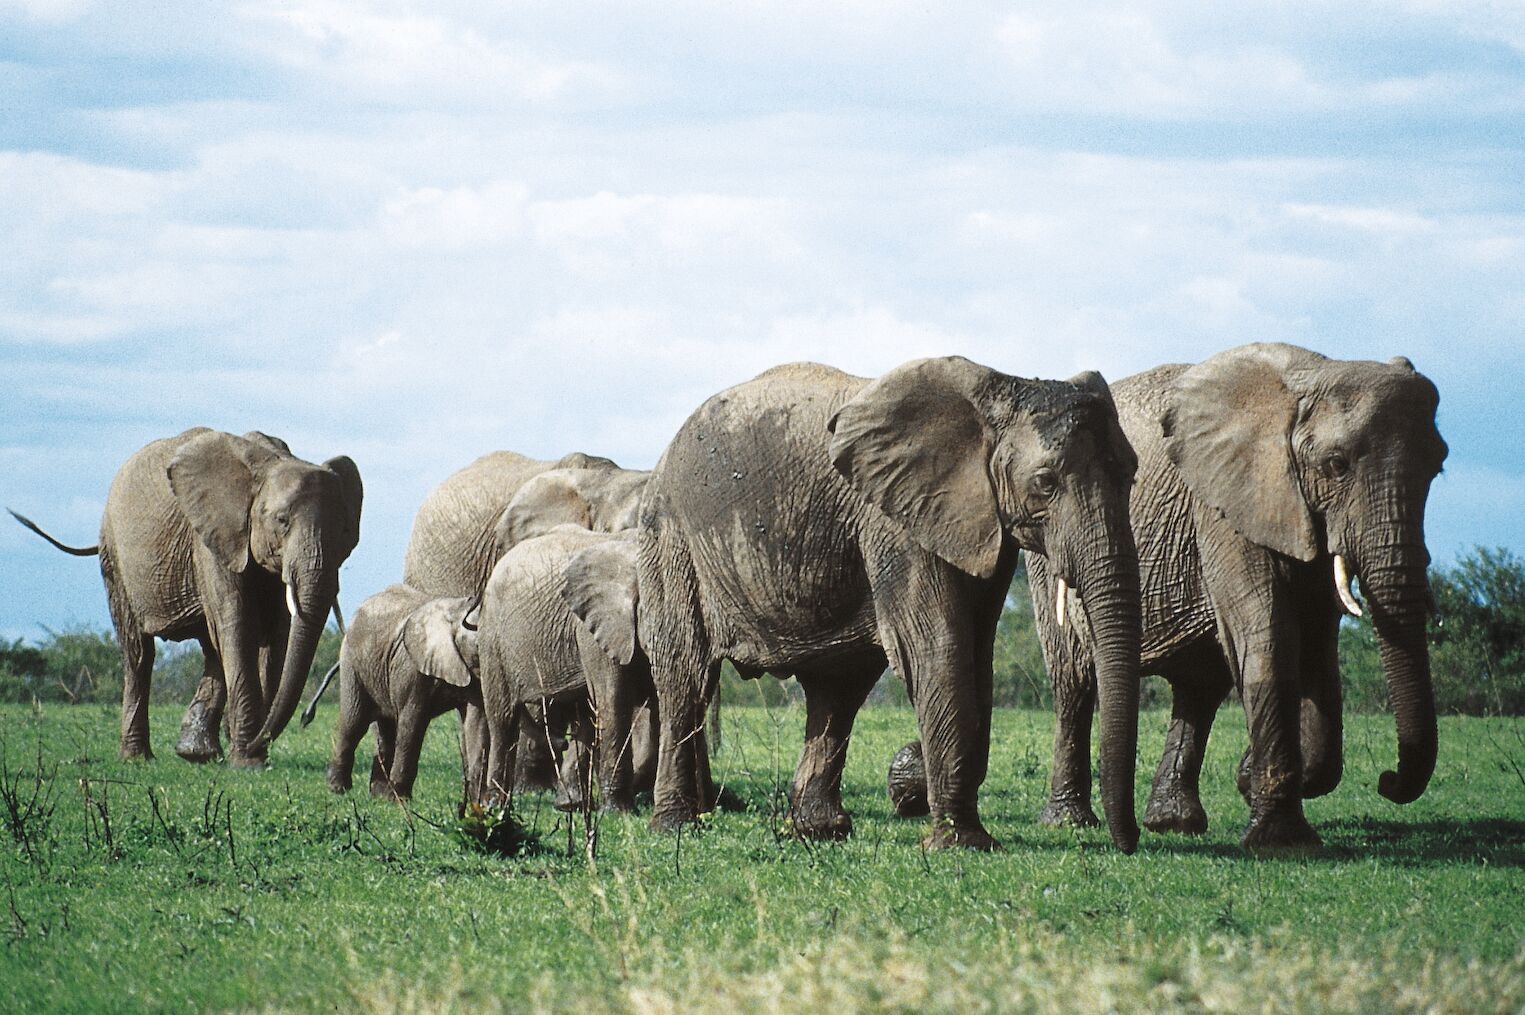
<point x="406" y="660"/>
<point x="558" y="627"/>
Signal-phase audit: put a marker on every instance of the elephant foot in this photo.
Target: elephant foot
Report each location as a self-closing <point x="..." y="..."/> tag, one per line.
<point x="136" y="752"/>
<point x="907" y="782"/>
<point x="389" y="793"/>
<point x="569" y="798"/>
<point x="616" y="804"/>
<point x="1175" y="812"/>
<point x="242" y="759"/>
<point x="1281" y="834"/>
<point x="725" y="799"/>
<point x="672" y="819"/>
<point x="338" y="780"/>
<point x="198" y="746"/>
<point x="821" y="824"/>
<point x="945" y="835"/>
<point x="1068" y="813"/>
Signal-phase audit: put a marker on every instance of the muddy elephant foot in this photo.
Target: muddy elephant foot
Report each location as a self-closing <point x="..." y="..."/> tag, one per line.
<point x="949" y="836"/>
<point x="1175" y="812"/>
<point x="1065" y="813"/>
<point x="907" y="782"/>
<point x="199" y="742"/>
<point x="248" y="759"/>
<point x="1281" y="834"/>
<point x="338" y="780"/>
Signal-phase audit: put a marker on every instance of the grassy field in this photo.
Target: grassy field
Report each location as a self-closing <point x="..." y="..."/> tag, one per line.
<point x="167" y="885"/>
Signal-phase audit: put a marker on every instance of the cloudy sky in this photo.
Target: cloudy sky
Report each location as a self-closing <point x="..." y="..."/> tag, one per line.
<point x="413" y="233"/>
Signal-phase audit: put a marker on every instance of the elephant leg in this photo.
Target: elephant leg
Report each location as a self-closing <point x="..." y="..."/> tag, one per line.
<point x="231" y="630"/>
<point x="614" y="700"/>
<point x="574" y="778"/>
<point x="412" y="724"/>
<point x="832" y="701"/>
<point x="272" y="657"/>
<point x="680" y="672"/>
<point x="1175" y="800"/>
<point x="1069" y="796"/>
<point x="535" y="764"/>
<point x="385" y="728"/>
<point x="137" y="670"/>
<point x="200" y="728"/>
<point x="1260" y="637"/>
<point x="355" y="714"/>
<point x="1321" y="731"/>
<point x="474" y="748"/>
<point x="643" y="745"/>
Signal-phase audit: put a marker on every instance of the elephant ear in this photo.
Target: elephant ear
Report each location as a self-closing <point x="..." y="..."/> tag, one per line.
<point x="550" y="499"/>
<point x="351" y="494"/>
<point x="214" y="477"/>
<point x="914" y="445"/>
<point x="429" y="636"/>
<point x="1118" y="445"/>
<point x="1228" y="430"/>
<point x="273" y="443"/>
<point x="600" y="587"/>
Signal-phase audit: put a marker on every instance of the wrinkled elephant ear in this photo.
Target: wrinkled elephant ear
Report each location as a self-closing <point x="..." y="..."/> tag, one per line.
<point x="550" y="499"/>
<point x="1228" y="430"/>
<point x="602" y="591"/>
<point x="351" y="494"/>
<point x="914" y="444"/>
<point x="214" y="477"/>
<point x="429" y="636"/>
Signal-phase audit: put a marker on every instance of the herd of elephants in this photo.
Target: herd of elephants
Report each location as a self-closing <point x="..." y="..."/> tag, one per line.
<point x="1199" y="522"/>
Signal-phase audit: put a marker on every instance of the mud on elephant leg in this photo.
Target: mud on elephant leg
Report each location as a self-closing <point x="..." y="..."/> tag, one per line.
<point x="199" y="739"/>
<point x="1175" y="801"/>
<point x="832" y="701"/>
<point x="1277" y="824"/>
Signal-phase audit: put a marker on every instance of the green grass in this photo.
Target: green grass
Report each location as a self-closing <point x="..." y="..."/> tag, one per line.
<point x="222" y="890"/>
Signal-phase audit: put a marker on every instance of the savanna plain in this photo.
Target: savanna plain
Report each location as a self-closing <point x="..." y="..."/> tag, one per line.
<point x="166" y="885"/>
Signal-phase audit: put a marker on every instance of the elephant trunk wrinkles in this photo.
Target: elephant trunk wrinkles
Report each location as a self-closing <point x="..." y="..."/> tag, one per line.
<point x="1398" y="595"/>
<point x="1109" y="589"/>
<point x="314" y="597"/>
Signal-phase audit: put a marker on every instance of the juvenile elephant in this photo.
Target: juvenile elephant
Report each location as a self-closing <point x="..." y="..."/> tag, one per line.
<point x="406" y="660"/>
<point x="813" y="523"/>
<point x="558" y="627"/>
<point x="479" y="512"/>
<point x="235" y="542"/>
<point x="1269" y="478"/>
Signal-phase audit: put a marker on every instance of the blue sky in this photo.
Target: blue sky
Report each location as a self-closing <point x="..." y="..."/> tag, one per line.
<point x="414" y="233"/>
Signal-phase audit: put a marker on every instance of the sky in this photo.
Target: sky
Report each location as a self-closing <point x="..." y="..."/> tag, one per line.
<point x="417" y="232"/>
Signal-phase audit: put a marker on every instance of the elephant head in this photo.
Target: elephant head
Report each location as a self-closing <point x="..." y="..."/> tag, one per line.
<point x="967" y="458"/>
<point x="597" y="499"/>
<point x="249" y="501"/>
<point x="1313" y="457"/>
<point x="441" y="641"/>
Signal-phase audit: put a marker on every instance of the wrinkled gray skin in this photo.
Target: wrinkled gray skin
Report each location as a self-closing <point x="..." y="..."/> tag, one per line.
<point x="405" y="661"/>
<point x="1256" y="467"/>
<point x="815" y="524"/>
<point x="202" y="535"/>
<point x="534" y="648"/>
<point x="477" y="513"/>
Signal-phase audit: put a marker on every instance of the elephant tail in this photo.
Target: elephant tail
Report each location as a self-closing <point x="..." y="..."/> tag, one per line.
<point x="78" y="551"/>
<point x="312" y="706"/>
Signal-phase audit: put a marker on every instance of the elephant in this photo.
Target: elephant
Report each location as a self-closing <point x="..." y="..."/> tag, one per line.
<point x="816" y="524"/>
<point x="477" y="513"/>
<point x="1270" y="477"/>
<point x="557" y="625"/>
<point x="406" y="660"/>
<point x="237" y="543"/>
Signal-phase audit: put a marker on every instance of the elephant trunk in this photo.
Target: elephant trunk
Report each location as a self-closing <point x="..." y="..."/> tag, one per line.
<point x="311" y="598"/>
<point x="1109" y="591"/>
<point x="1398" y="595"/>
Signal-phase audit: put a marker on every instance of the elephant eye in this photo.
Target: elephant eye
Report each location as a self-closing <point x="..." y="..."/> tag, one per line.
<point x="1336" y="465"/>
<point x="282" y="518"/>
<point x="1045" y="483"/>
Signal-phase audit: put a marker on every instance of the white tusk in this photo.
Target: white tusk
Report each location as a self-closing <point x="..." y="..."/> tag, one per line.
<point x="1342" y="586"/>
<point x="1060" y="601"/>
<point x="291" y="601"/>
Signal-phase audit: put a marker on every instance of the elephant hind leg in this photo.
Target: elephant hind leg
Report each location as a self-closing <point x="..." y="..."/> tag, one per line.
<point x="832" y="700"/>
<point x="137" y="672"/>
<point x="1197" y="689"/>
<point x="381" y="762"/>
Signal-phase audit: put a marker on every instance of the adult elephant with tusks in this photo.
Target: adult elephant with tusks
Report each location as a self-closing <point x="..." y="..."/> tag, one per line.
<point x="815" y="524"/>
<point x="236" y="543"/>
<point x="1270" y="478"/>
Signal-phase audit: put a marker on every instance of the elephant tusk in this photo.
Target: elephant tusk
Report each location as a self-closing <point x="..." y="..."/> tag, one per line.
<point x="291" y="601"/>
<point x="339" y="617"/>
<point x="1060" y="601"/>
<point x="1342" y="586"/>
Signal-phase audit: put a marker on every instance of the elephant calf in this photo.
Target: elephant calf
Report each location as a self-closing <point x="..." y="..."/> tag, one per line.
<point x="406" y="660"/>
<point x="557" y="626"/>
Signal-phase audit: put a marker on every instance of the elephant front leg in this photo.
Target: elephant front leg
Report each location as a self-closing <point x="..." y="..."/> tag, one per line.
<point x="200" y="729"/>
<point x="385" y="729"/>
<point x="832" y="701"/>
<point x="574" y="778"/>
<point x="1277" y="823"/>
<point x="1069" y="797"/>
<point x="953" y="716"/>
<point x="1175" y="800"/>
